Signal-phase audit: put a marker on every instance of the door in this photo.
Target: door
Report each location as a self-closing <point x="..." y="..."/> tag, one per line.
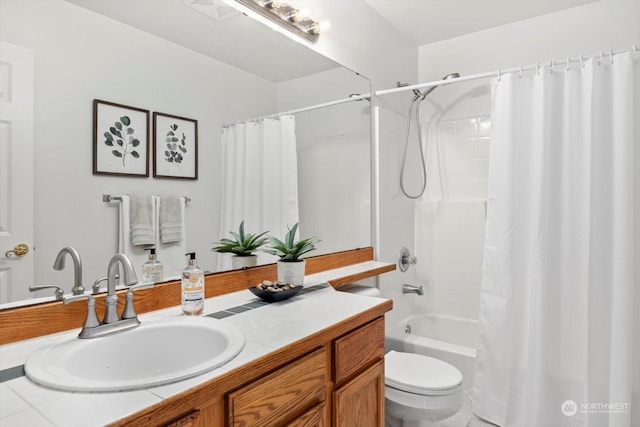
<point x="16" y="171"/>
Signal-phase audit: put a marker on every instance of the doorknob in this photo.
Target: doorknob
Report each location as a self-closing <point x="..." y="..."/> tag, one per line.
<point x="21" y="249"/>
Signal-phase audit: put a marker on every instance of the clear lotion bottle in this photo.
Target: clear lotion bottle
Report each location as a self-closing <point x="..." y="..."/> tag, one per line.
<point x="192" y="287"/>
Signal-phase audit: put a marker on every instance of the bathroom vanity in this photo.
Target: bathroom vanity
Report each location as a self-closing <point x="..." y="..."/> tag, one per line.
<point x="332" y="377"/>
<point x="314" y="360"/>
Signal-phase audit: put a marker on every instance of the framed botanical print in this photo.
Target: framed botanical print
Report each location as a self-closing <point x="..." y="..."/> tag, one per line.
<point x="120" y="139"/>
<point x="175" y="147"/>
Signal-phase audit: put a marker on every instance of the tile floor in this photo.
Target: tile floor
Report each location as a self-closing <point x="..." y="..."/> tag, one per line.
<point x="464" y="420"/>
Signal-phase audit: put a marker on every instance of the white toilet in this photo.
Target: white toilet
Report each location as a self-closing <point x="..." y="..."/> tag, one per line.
<point x="419" y="390"/>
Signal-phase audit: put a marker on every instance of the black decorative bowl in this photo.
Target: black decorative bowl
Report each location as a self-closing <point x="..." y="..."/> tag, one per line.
<point x="272" y="296"/>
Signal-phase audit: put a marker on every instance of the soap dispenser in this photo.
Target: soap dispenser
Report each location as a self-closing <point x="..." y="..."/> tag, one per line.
<point x="152" y="270"/>
<point x="192" y="287"/>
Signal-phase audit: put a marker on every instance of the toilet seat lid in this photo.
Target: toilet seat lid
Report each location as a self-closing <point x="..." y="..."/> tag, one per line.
<point x="419" y="374"/>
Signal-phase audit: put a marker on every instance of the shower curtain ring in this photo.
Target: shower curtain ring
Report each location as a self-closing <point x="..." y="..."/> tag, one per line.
<point x="499" y="74"/>
<point x="521" y="70"/>
<point x="582" y="61"/>
<point x="537" y="68"/>
<point x="634" y="48"/>
<point x="611" y="56"/>
<point x="601" y="57"/>
<point x="568" y="66"/>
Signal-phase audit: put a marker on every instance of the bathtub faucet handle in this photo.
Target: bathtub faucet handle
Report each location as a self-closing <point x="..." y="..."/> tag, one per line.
<point x="405" y="259"/>
<point x="412" y="289"/>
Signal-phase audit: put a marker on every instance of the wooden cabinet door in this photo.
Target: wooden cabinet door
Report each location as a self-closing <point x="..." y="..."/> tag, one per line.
<point x="314" y="417"/>
<point x="360" y="402"/>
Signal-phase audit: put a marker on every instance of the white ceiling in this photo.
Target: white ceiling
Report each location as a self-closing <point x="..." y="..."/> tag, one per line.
<point x="251" y="46"/>
<point x="428" y="21"/>
<point x="236" y="40"/>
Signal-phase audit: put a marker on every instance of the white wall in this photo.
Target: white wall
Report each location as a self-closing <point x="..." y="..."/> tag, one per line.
<point x="460" y="116"/>
<point x="80" y="56"/>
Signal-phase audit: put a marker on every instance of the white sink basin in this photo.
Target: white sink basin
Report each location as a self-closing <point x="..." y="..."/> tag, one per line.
<point x="156" y="352"/>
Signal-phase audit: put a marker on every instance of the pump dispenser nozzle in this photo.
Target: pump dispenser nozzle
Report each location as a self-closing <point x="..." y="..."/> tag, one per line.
<point x="192" y="258"/>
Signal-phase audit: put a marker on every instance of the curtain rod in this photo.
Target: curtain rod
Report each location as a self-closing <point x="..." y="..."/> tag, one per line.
<point x="355" y="97"/>
<point x="497" y="73"/>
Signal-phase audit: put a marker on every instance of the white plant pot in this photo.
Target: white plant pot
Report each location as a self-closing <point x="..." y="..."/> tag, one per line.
<point x="238" y="262"/>
<point x="291" y="272"/>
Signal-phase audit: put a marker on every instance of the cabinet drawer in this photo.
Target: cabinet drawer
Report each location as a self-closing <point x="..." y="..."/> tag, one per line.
<point x="358" y="349"/>
<point x="278" y="396"/>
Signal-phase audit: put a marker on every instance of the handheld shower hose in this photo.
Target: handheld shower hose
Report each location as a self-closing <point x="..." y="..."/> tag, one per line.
<point x="417" y="99"/>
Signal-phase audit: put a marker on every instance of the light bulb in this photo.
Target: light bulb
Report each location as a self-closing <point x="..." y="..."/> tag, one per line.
<point x="324" y="26"/>
<point x="271" y="4"/>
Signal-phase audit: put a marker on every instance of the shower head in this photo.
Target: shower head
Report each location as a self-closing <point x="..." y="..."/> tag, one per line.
<point x="431" y="89"/>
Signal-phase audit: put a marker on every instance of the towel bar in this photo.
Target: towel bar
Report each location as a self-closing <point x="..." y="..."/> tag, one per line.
<point x="108" y="198"/>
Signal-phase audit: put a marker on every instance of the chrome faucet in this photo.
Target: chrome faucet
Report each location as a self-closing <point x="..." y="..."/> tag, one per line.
<point x="412" y="289"/>
<point x="130" y="279"/>
<point x="58" y="265"/>
<point x="112" y="322"/>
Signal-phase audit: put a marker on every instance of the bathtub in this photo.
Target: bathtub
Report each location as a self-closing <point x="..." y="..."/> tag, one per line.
<point x="451" y="339"/>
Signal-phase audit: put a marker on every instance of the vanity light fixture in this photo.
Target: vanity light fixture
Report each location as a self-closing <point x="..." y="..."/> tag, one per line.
<point x="296" y="21"/>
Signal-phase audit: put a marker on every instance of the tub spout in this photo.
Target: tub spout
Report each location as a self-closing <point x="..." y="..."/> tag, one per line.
<point x="412" y="289"/>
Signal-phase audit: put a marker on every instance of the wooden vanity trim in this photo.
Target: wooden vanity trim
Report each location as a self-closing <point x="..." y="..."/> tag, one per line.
<point x="212" y="392"/>
<point x="37" y="320"/>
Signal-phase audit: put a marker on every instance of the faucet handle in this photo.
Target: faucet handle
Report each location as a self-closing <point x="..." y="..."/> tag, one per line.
<point x="59" y="291"/>
<point x="91" y="321"/>
<point x="129" y="311"/>
<point x="95" y="289"/>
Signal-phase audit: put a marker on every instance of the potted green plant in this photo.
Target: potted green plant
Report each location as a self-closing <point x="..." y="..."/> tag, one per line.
<point x="243" y="247"/>
<point x="290" y="265"/>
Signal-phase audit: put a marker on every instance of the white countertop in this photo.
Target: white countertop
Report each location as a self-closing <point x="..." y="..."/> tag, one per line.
<point x="25" y="403"/>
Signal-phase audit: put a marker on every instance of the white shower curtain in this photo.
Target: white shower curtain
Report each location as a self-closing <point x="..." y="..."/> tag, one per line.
<point x="260" y="180"/>
<point x="558" y="340"/>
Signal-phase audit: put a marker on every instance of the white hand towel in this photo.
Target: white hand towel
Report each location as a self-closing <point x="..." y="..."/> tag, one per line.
<point x="142" y="221"/>
<point x="170" y="219"/>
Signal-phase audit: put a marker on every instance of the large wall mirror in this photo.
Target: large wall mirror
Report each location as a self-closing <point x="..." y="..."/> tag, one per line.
<point x="167" y="57"/>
